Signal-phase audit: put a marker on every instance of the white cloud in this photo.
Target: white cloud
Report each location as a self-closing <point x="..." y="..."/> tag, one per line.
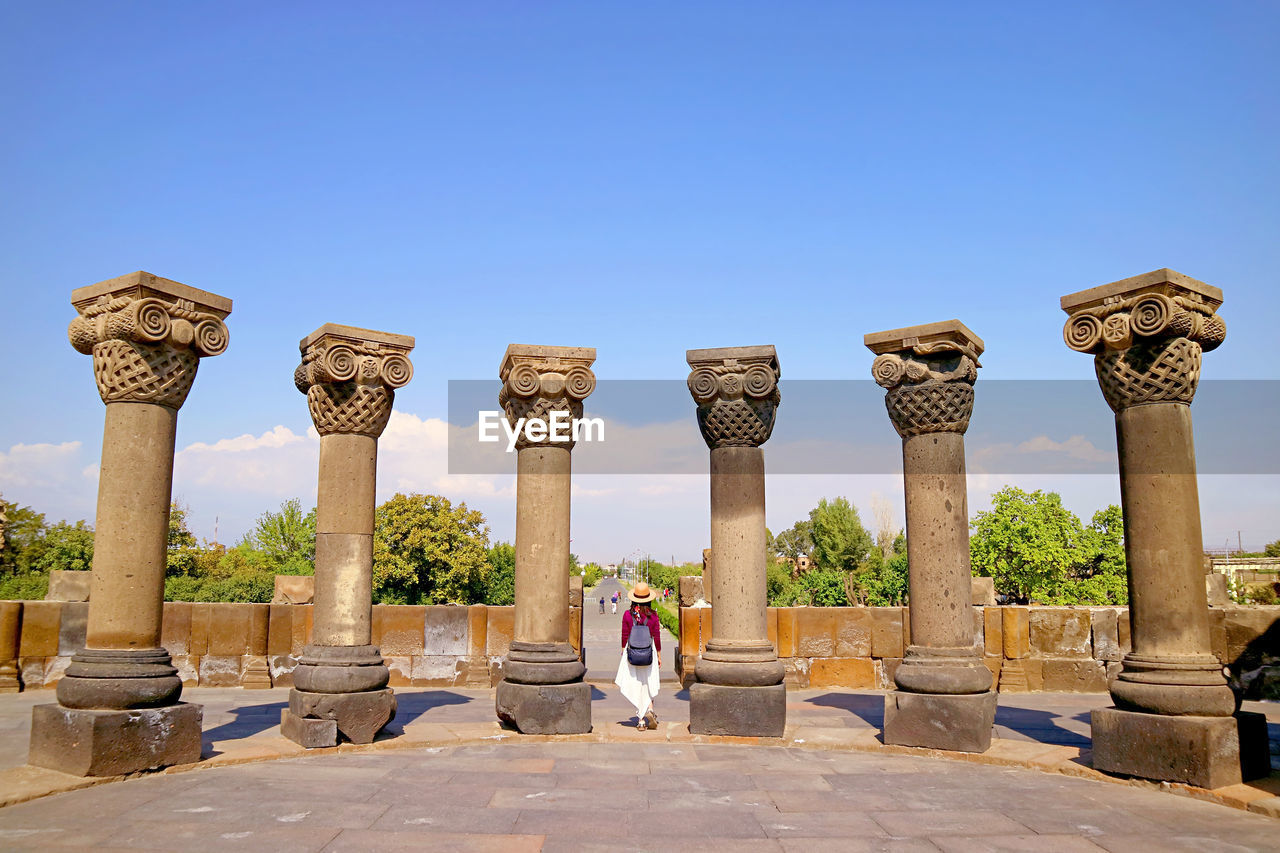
<point x="51" y="478"/>
<point x="229" y="482"/>
<point x="277" y="437"/>
<point x="1076" y="447"/>
<point x="25" y="465"/>
<point x="1042" y="454"/>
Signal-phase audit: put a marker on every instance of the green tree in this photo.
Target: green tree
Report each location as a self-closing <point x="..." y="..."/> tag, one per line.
<point x="1027" y="542"/>
<point x="794" y="542"/>
<point x="890" y="588"/>
<point x="778" y="584"/>
<point x="425" y="550"/>
<point x="66" y="546"/>
<point x="824" y="588"/>
<point x="501" y="586"/>
<point x="287" y="538"/>
<point x="24" y="530"/>
<point x="180" y="535"/>
<point x="1097" y="575"/>
<point x="591" y="575"/>
<point x="840" y="542"/>
<point x="1273" y="549"/>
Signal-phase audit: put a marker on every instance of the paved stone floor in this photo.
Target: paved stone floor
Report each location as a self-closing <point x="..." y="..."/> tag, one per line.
<point x="613" y="796"/>
<point x="445" y="776"/>
<point x="649" y="792"/>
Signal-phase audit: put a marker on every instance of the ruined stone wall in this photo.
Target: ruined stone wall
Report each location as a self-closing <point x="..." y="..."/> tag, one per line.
<point x="215" y="645"/>
<point x="1059" y="649"/>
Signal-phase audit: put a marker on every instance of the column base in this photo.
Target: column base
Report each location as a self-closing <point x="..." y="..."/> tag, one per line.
<point x="357" y="717"/>
<point x="931" y="671"/>
<point x="1190" y="686"/>
<point x="1208" y="752"/>
<point x="719" y="709"/>
<point x="545" y="709"/>
<point x="740" y="667"/>
<point x="119" y="680"/>
<point x="960" y="722"/>
<point x="112" y="743"/>
<point x="542" y="663"/>
<point x="340" y="670"/>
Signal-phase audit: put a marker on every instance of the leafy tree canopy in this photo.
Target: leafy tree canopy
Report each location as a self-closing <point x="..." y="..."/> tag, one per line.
<point x="426" y="550"/>
<point x="501" y="586"/>
<point x="840" y="542"/>
<point x="287" y="538"/>
<point x="1036" y="549"/>
<point x="794" y="542"/>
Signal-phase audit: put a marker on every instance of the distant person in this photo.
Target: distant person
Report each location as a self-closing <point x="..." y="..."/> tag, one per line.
<point x="638" y="675"/>
<point x="602" y="604"/>
<point x="614" y="599"/>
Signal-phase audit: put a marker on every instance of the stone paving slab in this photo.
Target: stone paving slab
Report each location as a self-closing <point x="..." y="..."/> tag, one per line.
<point x="509" y="775"/>
<point x="526" y="796"/>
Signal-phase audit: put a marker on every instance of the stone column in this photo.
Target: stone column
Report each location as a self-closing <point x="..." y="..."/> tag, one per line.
<point x="944" y="698"/>
<point x="118" y="709"/>
<point x="1173" y="716"/>
<point x="340" y="684"/>
<point x="542" y="691"/>
<point x="739" y="689"/>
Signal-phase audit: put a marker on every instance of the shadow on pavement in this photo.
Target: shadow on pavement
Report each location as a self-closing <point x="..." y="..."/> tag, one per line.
<point x="1041" y="726"/>
<point x="411" y="706"/>
<point x="870" y="708"/>
<point x="249" y="720"/>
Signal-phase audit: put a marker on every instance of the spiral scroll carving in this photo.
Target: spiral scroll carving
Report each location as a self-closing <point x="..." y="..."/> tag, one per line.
<point x="537" y="389"/>
<point x="928" y="388"/>
<point x="145" y="348"/>
<point x="1147" y="346"/>
<point x="350" y="384"/>
<point x="737" y="403"/>
<point x="1120" y="323"/>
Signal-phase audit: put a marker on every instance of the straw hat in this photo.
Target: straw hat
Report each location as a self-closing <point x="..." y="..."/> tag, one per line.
<point x="642" y="594"/>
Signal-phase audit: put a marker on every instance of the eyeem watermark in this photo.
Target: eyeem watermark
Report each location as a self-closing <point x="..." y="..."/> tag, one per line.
<point x="559" y="427"/>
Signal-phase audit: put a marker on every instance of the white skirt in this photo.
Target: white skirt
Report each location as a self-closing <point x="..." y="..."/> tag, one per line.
<point x="639" y="684"/>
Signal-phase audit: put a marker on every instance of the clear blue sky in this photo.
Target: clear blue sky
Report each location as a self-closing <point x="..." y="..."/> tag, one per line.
<point x="642" y="178"/>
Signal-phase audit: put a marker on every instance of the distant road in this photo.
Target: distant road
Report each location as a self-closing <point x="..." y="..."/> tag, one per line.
<point x="602" y="635"/>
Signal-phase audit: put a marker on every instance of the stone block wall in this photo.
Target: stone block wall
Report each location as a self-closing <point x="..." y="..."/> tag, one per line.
<point x="1027" y="649"/>
<point x="258" y="645"/>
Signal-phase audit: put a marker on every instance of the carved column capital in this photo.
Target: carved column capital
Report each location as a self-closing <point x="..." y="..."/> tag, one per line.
<point x="736" y="389"/>
<point x="1146" y="334"/>
<point x="539" y="382"/>
<point x="928" y="374"/>
<point x="147" y="335"/>
<point x="350" y="375"/>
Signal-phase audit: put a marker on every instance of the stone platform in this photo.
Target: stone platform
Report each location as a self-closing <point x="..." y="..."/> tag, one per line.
<point x="445" y="775"/>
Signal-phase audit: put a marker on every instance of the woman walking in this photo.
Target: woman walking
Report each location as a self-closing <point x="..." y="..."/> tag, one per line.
<point x="641" y="655"/>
